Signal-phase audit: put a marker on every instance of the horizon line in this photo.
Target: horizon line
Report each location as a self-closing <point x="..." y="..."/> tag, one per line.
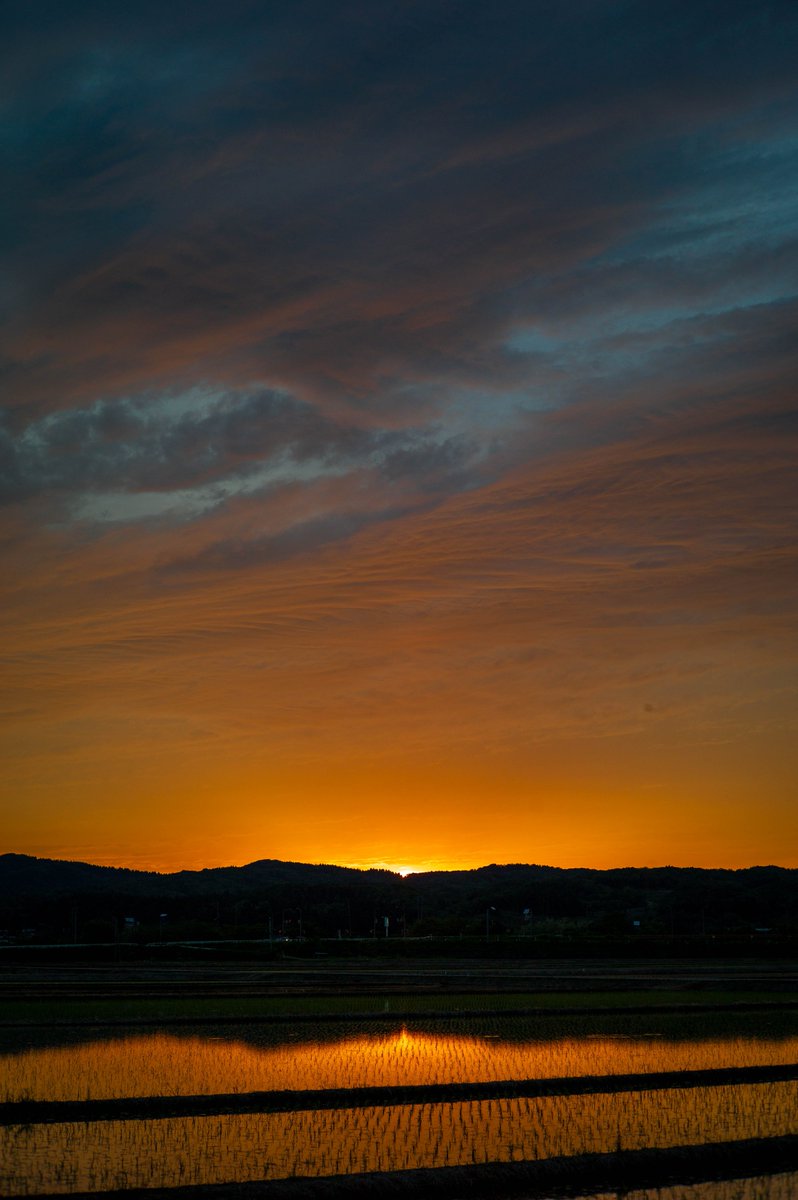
<point x="402" y="871"/>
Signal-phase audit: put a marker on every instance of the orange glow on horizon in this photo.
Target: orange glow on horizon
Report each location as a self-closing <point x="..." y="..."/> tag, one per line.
<point x="389" y="702"/>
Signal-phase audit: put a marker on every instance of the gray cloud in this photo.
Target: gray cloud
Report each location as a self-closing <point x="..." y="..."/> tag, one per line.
<point x="222" y="445"/>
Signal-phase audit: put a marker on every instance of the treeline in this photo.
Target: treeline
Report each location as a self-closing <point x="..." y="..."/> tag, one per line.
<point x="49" y="901"/>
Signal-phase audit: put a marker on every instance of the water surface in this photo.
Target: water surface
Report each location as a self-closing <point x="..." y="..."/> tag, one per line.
<point x="93" y="1156"/>
<point x="212" y="1061"/>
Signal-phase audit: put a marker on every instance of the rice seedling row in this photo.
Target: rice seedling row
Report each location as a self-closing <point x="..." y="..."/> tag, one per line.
<point x="170" y="1152"/>
<point x="135" y="1108"/>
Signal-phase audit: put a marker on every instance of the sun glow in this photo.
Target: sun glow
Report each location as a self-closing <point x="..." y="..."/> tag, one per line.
<point x="395" y="868"/>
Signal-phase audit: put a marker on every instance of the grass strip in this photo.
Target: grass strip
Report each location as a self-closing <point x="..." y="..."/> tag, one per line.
<point x="137" y="1108"/>
<point x="393" y="1013"/>
<point x="552" y="1177"/>
<point x="124" y="1008"/>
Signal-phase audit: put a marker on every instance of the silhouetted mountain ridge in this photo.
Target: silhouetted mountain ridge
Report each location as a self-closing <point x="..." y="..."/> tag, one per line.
<point x="22" y="874"/>
<point x="52" y="897"/>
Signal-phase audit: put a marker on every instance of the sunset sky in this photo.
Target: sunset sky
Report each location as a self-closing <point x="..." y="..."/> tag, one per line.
<point x="399" y="437"/>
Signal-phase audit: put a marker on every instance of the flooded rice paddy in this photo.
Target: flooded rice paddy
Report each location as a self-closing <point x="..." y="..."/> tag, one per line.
<point x="95" y="1156"/>
<point x="96" y="1064"/>
<point x="210" y="1062"/>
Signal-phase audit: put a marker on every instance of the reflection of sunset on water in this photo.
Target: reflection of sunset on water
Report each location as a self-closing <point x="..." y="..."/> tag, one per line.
<point x="164" y="1064"/>
<point x="93" y="1156"/>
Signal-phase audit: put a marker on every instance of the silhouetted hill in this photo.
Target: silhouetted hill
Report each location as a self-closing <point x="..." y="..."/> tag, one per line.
<point x="54" y="899"/>
<point x="23" y="875"/>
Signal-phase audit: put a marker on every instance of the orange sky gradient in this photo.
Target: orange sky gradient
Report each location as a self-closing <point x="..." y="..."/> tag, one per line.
<point x="481" y="683"/>
<point x="398" y="438"/>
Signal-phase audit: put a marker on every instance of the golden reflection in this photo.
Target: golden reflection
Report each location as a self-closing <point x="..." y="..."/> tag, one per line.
<point x="103" y="1155"/>
<point x="166" y="1065"/>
